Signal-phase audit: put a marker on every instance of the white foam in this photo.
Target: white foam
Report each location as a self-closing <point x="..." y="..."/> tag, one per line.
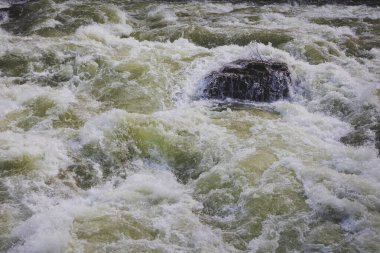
<point x="163" y="12"/>
<point x="108" y="34"/>
<point x="218" y="8"/>
<point x="4" y="4"/>
<point x="313" y="123"/>
<point x="154" y="197"/>
<point x="49" y="152"/>
<point x="95" y="127"/>
<point x="14" y="97"/>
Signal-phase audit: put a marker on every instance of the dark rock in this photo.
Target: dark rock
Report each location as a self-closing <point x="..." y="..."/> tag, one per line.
<point x="84" y="175"/>
<point x="356" y="138"/>
<point x="23" y="15"/>
<point x="361" y="135"/>
<point x="3" y="15"/>
<point x="261" y="81"/>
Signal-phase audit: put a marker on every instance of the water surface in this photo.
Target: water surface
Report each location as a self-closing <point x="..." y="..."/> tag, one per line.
<point x="105" y="145"/>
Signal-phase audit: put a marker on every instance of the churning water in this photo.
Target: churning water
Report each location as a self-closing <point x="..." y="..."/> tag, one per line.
<point x="105" y="145"/>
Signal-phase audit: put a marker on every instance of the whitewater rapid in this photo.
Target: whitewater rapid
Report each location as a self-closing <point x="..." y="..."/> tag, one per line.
<point x="106" y="146"/>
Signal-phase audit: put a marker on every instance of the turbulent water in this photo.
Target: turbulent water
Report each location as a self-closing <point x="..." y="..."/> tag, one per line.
<point x="106" y="145"/>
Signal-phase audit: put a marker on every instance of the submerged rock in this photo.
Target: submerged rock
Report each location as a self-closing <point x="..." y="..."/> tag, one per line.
<point x="260" y="81"/>
<point x="356" y="138"/>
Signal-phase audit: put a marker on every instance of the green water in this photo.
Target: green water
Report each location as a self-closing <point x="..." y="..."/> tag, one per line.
<point x="106" y="146"/>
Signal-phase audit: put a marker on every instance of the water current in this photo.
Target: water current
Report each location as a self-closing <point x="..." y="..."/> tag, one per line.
<point x="106" y="145"/>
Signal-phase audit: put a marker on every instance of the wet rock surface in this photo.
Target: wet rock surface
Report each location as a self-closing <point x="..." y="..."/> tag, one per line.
<point x="254" y="80"/>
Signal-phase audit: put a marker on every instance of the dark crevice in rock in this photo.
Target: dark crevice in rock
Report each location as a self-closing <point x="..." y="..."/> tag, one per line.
<point x="259" y="81"/>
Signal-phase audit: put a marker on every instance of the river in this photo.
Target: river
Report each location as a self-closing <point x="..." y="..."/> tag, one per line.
<point x="107" y="146"/>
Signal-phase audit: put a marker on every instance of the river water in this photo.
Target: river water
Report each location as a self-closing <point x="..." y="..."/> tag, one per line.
<point x="106" y="146"/>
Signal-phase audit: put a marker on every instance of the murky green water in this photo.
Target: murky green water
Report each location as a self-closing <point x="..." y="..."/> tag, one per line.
<point x="105" y="145"/>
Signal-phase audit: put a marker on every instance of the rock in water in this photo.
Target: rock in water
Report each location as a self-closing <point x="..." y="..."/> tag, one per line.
<point x="261" y="81"/>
